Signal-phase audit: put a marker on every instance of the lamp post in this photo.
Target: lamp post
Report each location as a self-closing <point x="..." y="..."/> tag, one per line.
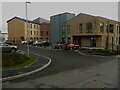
<point x="107" y="39"/>
<point x="28" y="51"/>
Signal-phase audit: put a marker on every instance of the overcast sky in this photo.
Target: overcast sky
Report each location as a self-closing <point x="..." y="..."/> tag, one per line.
<point x="47" y="9"/>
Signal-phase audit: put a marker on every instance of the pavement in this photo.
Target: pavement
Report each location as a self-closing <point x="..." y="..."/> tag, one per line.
<point x="27" y="70"/>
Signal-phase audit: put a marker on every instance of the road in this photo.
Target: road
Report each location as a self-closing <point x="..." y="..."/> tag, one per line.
<point x="62" y="61"/>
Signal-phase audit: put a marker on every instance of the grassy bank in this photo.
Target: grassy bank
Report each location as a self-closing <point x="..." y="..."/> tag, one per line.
<point x="16" y="60"/>
<point x="100" y="52"/>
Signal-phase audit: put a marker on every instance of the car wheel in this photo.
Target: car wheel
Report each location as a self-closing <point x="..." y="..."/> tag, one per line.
<point x="13" y="50"/>
<point x="71" y="48"/>
<point x="60" y="48"/>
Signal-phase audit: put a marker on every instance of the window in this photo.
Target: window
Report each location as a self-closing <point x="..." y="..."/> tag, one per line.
<point x="34" y="32"/>
<point x="101" y="27"/>
<point x="111" y="27"/>
<point x="41" y="38"/>
<point x="47" y="33"/>
<point x="117" y="29"/>
<point x="68" y="29"/>
<point x="107" y="28"/>
<point x="34" y="26"/>
<point x="68" y="39"/>
<point x="89" y="27"/>
<point x="63" y="39"/>
<point x="80" y="28"/>
<point x="31" y="32"/>
<point x="41" y="33"/>
<point x="22" y="38"/>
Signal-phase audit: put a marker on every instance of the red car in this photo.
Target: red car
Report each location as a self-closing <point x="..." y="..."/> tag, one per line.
<point x="70" y="46"/>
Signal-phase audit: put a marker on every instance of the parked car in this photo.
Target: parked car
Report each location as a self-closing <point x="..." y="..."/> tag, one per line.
<point x="24" y="42"/>
<point x="41" y="43"/>
<point x="58" y="46"/>
<point x="8" y="48"/>
<point x="37" y="43"/>
<point x="70" y="46"/>
<point x="46" y="43"/>
<point x="30" y="42"/>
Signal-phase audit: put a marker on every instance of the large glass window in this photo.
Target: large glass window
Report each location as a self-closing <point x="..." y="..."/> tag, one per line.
<point x="89" y="27"/>
<point x="101" y="27"/>
<point x="80" y="28"/>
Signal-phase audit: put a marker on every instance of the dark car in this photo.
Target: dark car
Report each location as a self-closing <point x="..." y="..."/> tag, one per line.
<point x="8" y="48"/>
<point x="58" y="46"/>
<point x="45" y="43"/>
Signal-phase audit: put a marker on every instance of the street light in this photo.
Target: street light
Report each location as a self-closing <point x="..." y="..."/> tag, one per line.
<point x="27" y="28"/>
<point x="107" y="38"/>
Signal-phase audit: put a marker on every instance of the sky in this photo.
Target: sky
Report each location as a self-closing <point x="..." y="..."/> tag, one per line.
<point x="47" y="9"/>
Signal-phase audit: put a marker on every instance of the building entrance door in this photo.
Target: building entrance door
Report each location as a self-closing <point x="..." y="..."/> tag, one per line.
<point x="79" y="41"/>
<point x="93" y="42"/>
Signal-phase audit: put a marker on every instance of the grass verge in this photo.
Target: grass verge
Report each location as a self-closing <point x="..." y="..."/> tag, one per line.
<point x="100" y="52"/>
<point x="16" y="61"/>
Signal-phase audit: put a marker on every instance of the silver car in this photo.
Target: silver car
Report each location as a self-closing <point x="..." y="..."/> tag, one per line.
<point x="8" y="48"/>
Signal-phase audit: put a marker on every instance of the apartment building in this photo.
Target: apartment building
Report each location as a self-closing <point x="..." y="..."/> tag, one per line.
<point x="19" y="30"/>
<point x="92" y="31"/>
<point x="45" y="31"/>
<point x="44" y="28"/>
<point x="56" y="26"/>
